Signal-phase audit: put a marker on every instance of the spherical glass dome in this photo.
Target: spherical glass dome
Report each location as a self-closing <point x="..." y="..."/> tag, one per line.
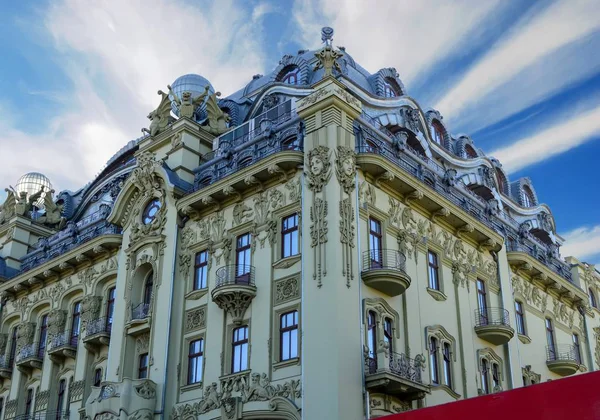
<point x="31" y="183"/>
<point x="195" y="84"/>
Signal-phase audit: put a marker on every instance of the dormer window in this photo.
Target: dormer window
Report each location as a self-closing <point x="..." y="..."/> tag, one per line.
<point x="501" y="181"/>
<point x="470" y="152"/>
<point x="528" y="200"/>
<point x="389" y="88"/>
<point x="291" y="76"/>
<point x="437" y="132"/>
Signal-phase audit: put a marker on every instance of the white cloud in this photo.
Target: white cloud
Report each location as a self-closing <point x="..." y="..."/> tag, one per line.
<point x="409" y="35"/>
<point x="532" y="39"/>
<point x="583" y="243"/>
<point x="118" y="54"/>
<point x="550" y="141"/>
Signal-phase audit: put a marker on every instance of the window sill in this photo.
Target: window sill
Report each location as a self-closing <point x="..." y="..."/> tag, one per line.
<point x="196" y="294"/>
<point x="190" y="387"/>
<point x="524" y="338"/>
<point x="437" y="294"/>
<point x="286" y="363"/>
<point x="446" y="388"/>
<point x="287" y="262"/>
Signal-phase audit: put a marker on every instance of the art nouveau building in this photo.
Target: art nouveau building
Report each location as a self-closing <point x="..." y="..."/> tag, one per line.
<point x="314" y="246"/>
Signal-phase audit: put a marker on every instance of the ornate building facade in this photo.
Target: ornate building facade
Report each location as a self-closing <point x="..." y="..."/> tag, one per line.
<point x="314" y="246"/>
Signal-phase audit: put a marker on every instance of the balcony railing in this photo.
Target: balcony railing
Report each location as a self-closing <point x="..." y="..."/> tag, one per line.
<point x="235" y="274"/>
<point x="98" y="326"/>
<point x="28" y="351"/>
<point x="491" y="316"/>
<point x="400" y="365"/>
<point x="564" y="352"/>
<point x="64" y="339"/>
<point x="142" y="311"/>
<point x="44" y="415"/>
<point x="384" y="259"/>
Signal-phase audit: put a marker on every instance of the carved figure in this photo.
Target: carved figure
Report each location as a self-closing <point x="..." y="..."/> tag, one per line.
<point x="328" y="61"/>
<point x="160" y="117"/>
<point x="345" y="167"/>
<point x="210" y="400"/>
<point x="218" y="121"/>
<point x="8" y="209"/>
<point x="319" y="166"/>
<point x="53" y="214"/>
<point x="187" y="105"/>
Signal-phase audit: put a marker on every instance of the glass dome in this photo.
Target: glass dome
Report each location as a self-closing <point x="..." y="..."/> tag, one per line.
<point x="31" y="183"/>
<point x="195" y="84"/>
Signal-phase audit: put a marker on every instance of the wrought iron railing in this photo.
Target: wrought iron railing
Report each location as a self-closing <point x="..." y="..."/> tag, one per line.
<point x="141" y="311"/>
<point x="235" y="274"/>
<point x="400" y="365"/>
<point x="491" y="316"/>
<point x="384" y="259"/>
<point x="98" y="326"/>
<point x="44" y="415"/>
<point x="64" y="339"/>
<point x="566" y="352"/>
<point x="28" y="351"/>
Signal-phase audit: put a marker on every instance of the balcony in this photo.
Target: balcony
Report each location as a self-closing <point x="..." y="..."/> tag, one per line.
<point x="44" y="415"/>
<point x="6" y="367"/>
<point x="30" y="356"/>
<point x="140" y="319"/>
<point x="493" y="326"/>
<point x="400" y="375"/>
<point x="564" y="360"/>
<point x="97" y="333"/>
<point x="63" y="345"/>
<point x="385" y="270"/>
<point x="234" y="290"/>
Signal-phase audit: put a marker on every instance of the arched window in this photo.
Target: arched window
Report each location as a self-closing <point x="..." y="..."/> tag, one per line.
<point x="438" y="132"/>
<point x="371" y="334"/>
<point x="291" y="76"/>
<point x="75" y="323"/>
<point x="43" y="336"/>
<point x="501" y="181"/>
<point x="593" y="301"/>
<point x="433" y="360"/>
<point x="470" y="152"/>
<point x="148" y="286"/>
<point x="528" y="200"/>
<point x="390" y="88"/>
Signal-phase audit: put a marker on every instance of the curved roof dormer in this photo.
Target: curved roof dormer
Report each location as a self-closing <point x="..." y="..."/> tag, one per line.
<point x="523" y="193"/>
<point x="387" y="84"/>
<point x="292" y="70"/>
<point x="465" y="148"/>
<point x="439" y="132"/>
<point x="501" y="177"/>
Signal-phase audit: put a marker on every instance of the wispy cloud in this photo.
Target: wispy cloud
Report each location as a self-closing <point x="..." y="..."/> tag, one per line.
<point x="550" y="141"/>
<point x="118" y="54"/>
<point x="412" y="36"/>
<point x="535" y="37"/>
<point x="583" y="243"/>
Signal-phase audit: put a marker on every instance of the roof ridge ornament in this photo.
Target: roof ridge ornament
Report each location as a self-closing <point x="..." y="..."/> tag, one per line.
<point x="327" y="35"/>
<point x="327" y="56"/>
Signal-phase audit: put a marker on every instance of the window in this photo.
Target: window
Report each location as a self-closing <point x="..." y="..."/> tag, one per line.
<point x="148" y="286"/>
<point x="528" y="200"/>
<point x="200" y="270"/>
<point x="150" y="211"/>
<point x="110" y="307"/>
<point x="485" y="386"/>
<point x="288" y="333"/>
<point x="501" y="180"/>
<point x="375" y="243"/>
<point x="388" y="89"/>
<point x="496" y="376"/>
<point x="470" y="152"/>
<point x="13" y="345"/>
<point x="195" y="359"/>
<point x="520" y="318"/>
<point x="29" y="402"/>
<point x="593" y="302"/>
<point x="525" y="381"/>
<point x="239" y="356"/>
<point x="577" y="348"/>
<point x="97" y="377"/>
<point x="143" y="366"/>
<point x="434" y="281"/>
<point x="372" y="334"/>
<point x="447" y="364"/>
<point x="289" y="235"/>
<point x="242" y="258"/>
<point x="433" y="360"/>
<point x="437" y="132"/>
<point x="291" y="76"/>
<point x="550" y="339"/>
<point x="387" y="334"/>
<point x="1" y="406"/>
<point x="482" y="302"/>
<point x="75" y="323"/>
<point x="43" y="336"/>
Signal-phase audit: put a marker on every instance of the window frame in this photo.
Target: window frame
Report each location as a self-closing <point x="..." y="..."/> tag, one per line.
<point x="293" y="72"/>
<point x="593" y="301"/>
<point x="388" y="333"/>
<point x="200" y="270"/>
<point x="291" y="330"/>
<point x="434" y="361"/>
<point x="520" y="318"/>
<point x="482" y="303"/>
<point x="198" y="359"/>
<point x="143" y="367"/>
<point x="75" y="323"/>
<point x="447" y="364"/>
<point x="439" y="132"/>
<point x="111" y="297"/>
<point x="29" y="402"/>
<point x="293" y="233"/>
<point x="42" y="335"/>
<point x="528" y="197"/>
<point x="433" y="272"/>
<point x="485" y="376"/>
<point x="375" y="243"/>
<point x="550" y="339"/>
<point x="13" y="344"/>
<point x="242" y="269"/>
<point x="148" y="289"/>
<point x="372" y="334"/>
<point x="243" y="344"/>
<point x="577" y="347"/>
<point x="97" y="380"/>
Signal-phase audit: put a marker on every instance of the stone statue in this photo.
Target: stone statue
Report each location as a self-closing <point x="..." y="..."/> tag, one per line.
<point x="187" y="105"/>
<point x="8" y="209"/>
<point x="160" y="117"/>
<point x="22" y="204"/>
<point x="53" y="216"/>
<point x="218" y="121"/>
<point x="328" y="61"/>
<point x="211" y="399"/>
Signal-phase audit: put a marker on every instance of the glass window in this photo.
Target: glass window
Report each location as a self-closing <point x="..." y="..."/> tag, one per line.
<point x="75" y="323"/>
<point x="388" y="90"/>
<point x="550" y="339"/>
<point x="375" y="243"/>
<point x="372" y="333"/>
<point x="195" y="359"/>
<point x="239" y="359"/>
<point x="447" y="364"/>
<point x="520" y="318"/>
<point x="433" y="360"/>
<point x="243" y="258"/>
<point x="438" y="132"/>
<point x="200" y="270"/>
<point x="150" y="211"/>
<point x="471" y="153"/>
<point x="528" y="200"/>
<point x="485" y="385"/>
<point x="291" y="77"/>
<point x="148" y="286"/>
<point x="577" y="348"/>
<point x="482" y="302"/>
<point x="496" y="375"/>
<point x="289" y="236"/>
<point x="387" y="334"/>
<point x="43" y="336"/>
<point x="29" y="401"/>
<point x="434" y="281"/>
<point x="501" y="180"/>
<point x="13" y="345"/>
<point x="593" y="302"/>
<point x="288" y="333"/>
<point x="143" y="366"/>
<point x="97" y="377"/>
<point x="110" y="307"/>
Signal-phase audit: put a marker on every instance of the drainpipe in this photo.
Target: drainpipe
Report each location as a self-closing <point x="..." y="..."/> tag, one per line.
<point x="303" y="298"/>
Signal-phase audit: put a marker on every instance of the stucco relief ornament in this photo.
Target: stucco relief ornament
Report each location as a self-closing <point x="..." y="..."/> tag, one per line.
<point x="160" y="117"/>
<point x="318" y="236"/>
<point x="319" y="168"/>
<point x="144" y="175"/>
<point x="345" y="168"/>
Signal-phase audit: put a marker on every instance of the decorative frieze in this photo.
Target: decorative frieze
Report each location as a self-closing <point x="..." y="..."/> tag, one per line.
<point x="195" y="319"/>
<point x="286" y="290"/>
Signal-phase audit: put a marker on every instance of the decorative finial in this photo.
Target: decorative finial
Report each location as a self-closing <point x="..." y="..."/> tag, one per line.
<point x="327" y="35"/>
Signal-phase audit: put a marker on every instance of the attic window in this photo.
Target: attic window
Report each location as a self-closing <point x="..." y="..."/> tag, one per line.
<point x="438" y="132"/>
<point x="290" y="77"/>
<point x="528" y="200"/>
<point x="389" y="90"/>
<point x="470" y="152"/>
<point x="501" y="181"/>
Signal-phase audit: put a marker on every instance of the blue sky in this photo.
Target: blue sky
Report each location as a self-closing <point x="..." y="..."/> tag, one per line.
<point x="521" y="77"/>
